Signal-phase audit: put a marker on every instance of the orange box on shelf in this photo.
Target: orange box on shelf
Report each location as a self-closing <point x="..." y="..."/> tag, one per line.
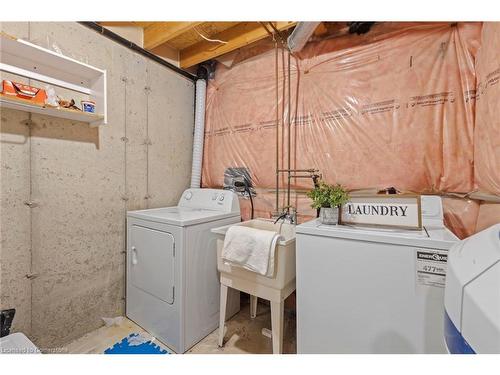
<point x="21" y="91"/>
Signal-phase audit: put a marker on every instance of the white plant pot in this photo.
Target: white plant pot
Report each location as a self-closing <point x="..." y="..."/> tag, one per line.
<point x="329" y="215"/>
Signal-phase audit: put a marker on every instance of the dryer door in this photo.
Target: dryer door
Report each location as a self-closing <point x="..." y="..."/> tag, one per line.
<point x="152" y="262"/>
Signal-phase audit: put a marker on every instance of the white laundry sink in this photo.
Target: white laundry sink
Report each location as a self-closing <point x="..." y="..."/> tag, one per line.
<point x="275" y="289"/>
<point x="284" y="276"/>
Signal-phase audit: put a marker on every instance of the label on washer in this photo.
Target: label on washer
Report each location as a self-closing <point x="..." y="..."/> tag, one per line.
<point x="431" y="267"/>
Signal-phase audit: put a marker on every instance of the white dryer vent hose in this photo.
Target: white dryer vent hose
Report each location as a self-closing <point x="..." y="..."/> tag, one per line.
<point x="199" y="132"/>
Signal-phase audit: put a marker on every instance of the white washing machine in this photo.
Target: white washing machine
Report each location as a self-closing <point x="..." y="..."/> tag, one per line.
<point x="363" y="290"/>
<point x="172" y="280"/>
<point x="472" y="294"/>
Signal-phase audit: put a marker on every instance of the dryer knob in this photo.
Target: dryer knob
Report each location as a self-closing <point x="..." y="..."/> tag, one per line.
<point x="188" y="195"/>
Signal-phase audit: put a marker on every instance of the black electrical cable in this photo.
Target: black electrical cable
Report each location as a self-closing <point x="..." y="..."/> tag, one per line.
<point x="250" y="195"/>
<point x="244" y="183"/>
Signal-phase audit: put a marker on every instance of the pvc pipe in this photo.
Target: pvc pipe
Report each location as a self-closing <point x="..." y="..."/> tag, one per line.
<point x="199" y="132"/>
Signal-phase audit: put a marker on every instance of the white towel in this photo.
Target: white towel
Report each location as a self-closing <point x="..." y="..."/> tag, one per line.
<point x="250" y="248"/>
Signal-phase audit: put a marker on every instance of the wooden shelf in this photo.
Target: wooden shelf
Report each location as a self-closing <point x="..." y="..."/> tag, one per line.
<point x="70" y="114"/>
<point x="28" y="60"/>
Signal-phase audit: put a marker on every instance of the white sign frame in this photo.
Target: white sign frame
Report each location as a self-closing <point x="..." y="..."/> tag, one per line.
<point x="405" y="211"/>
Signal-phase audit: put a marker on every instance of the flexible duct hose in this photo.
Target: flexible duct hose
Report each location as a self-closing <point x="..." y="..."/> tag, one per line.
<point x="199" y="132"/>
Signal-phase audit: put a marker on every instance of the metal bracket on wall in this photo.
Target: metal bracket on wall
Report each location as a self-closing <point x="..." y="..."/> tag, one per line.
<point x="31" y="204"/>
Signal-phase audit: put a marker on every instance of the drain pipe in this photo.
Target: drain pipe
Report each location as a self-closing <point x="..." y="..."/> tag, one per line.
<point x="205" y="71"/>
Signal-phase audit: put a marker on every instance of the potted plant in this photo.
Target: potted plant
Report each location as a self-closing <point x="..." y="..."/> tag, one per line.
<point x="328" y="199"/>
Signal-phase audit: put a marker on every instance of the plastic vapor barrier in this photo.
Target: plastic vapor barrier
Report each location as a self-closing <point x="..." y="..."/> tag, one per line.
<point x="489" y="214"/>
<point x="393" y="107"/>
<point x="460" y="216"/>
<point x="487" y="130"/>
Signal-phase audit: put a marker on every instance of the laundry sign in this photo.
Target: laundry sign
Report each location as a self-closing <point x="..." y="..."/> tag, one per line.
<point x="403" y="211"/>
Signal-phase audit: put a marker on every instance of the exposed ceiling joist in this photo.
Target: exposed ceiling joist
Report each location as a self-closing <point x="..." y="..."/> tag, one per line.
<point x="236" y="37"/>
<point x="161" y="32"/>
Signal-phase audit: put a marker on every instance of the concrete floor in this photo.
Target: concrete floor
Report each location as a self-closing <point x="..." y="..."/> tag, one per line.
<point x="96" y="342"/>
<point x="243" y="335"/>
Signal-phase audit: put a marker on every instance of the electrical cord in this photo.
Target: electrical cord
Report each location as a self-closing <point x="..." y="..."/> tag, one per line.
<point x="244" y="183"/>
<point x="251" y="199"/>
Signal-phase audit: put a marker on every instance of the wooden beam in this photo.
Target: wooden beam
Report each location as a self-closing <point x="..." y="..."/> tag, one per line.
<point x="161" y="32"/>
<point x="236" y="37"/>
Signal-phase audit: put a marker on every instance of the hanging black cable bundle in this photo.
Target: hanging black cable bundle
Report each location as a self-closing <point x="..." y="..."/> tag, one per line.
<point x="243" y="183"/>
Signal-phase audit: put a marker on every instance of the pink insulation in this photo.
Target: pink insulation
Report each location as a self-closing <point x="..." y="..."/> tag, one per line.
<point x="460" y="216"/>
<point x="394" y="107"/>
<point x="489" y="214"/>
<point x="487" y="130"/>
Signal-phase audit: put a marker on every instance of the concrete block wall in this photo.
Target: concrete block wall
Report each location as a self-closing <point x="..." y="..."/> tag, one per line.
<point x="83" y="180"/>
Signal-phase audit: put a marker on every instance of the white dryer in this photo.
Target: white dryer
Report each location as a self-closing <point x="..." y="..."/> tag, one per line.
<point x="172" y="281"/>
<point x="362" y="290"/>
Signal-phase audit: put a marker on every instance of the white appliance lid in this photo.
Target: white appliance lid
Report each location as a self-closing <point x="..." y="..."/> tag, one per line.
<point x="181" y="216"/>
<point x="431" y="237"/>
<point x="467" y="261"/>
<point x="17" y="343"/>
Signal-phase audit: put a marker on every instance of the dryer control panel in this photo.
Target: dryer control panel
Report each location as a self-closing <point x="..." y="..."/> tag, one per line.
<point x="210" y="199"/>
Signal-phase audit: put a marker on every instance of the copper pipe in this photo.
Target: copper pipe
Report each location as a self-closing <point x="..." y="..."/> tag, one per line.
<point x="289" y="118"/>
<point x="282" y="152"/>
<point x="281" y="37"/>
<point x="277" y="125"/>
<point x="311" y="170"/>
<point x="265" y="27"/>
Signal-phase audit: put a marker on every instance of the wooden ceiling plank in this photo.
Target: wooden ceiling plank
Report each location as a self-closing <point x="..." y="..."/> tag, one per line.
<point x="162" y="32"/>
<point x="193" y="36"/>
<point x="236" y="37"/>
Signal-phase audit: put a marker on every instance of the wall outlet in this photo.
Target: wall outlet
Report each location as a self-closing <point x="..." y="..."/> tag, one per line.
<point x="6" y="318"/>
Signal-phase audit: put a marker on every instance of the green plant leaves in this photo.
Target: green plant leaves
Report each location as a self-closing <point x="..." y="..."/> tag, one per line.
<point x="326" y="195"/>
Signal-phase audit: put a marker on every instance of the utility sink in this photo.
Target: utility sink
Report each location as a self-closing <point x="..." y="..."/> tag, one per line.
<point x="284" y="275"/>
<point x="275" y="289"/>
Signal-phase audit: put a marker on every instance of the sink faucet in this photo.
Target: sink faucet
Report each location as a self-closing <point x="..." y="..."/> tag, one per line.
<point x="290" y="215"/>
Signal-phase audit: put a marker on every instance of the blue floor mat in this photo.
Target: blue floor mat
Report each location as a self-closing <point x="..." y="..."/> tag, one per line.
<point x="124" y="347"/>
